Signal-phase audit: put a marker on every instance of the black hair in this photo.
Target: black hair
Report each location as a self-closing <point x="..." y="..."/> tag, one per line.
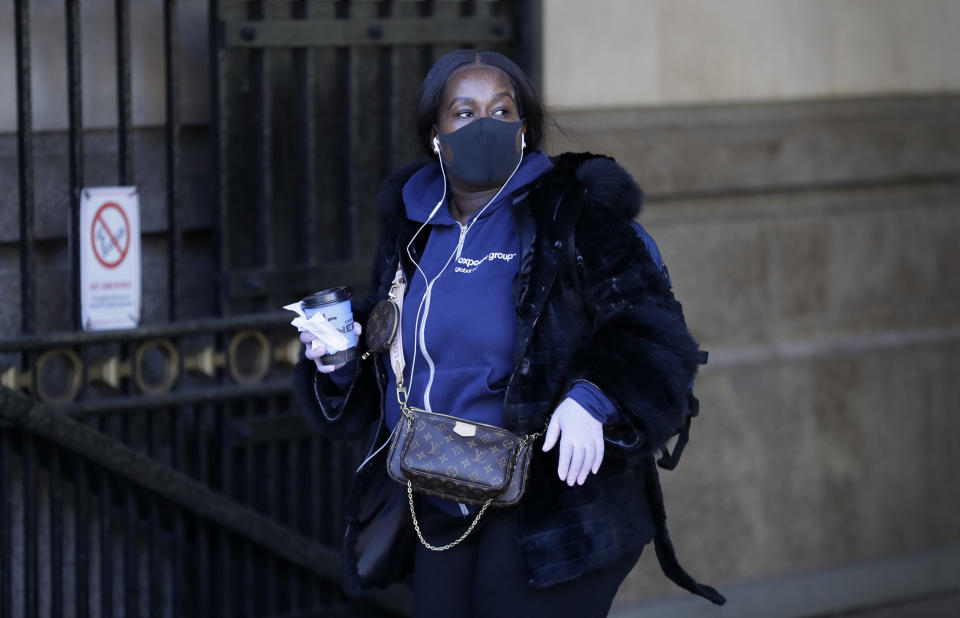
<point x="528" y="100"/>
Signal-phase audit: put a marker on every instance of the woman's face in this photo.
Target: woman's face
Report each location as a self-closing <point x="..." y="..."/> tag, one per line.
<point x="476" y="92"/>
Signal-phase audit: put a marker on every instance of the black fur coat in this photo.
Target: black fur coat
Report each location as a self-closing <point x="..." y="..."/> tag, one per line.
<point x="591" y="304"/>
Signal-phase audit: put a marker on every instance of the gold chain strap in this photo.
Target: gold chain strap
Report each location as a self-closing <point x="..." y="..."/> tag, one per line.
<point x="416" y="524"/>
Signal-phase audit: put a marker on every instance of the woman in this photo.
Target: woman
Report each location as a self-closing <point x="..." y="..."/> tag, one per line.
<point x="530" y="297"/>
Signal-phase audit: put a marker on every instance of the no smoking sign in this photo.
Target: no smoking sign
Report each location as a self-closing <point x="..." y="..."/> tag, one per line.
<point x="110" y="247"/>
<point x="110" y="258"/>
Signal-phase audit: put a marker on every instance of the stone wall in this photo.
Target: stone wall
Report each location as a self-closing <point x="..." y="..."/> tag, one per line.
<point x="660" y="52"/>
<point x="815" y="247"/>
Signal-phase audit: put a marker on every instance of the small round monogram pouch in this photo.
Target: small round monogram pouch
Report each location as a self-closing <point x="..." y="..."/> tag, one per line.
<point x="381" y="327"/>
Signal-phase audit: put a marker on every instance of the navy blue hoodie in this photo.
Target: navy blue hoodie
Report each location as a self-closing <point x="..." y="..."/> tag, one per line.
<point x="466" y="327"/>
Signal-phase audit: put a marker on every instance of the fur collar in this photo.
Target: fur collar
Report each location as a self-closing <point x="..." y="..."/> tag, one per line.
<point x="604" y="182"/>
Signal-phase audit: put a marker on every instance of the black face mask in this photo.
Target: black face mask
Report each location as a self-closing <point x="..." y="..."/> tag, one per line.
<point x="483" y="152"/>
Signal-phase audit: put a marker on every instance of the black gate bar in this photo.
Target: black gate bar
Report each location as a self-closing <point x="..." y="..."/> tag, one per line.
<point x="25" y="165"/>
<point x="303" y="70"/>
<point x="75" y="146"/>
<point x="367" y="31"/>
<point x="153" y="571"/>
<point x="81" y="543"/>
<point x="6" y="548"/>
<point x="105" y="541"/>
<point x="124" y="152"/>
<point x="264" y="157"/>
<point x="172" y="133"/>
<point x="131" y="564"/>
<point x="29" y="473"/>
<point x="55" y="489"/>
<point x="182" y="328"/>
<point x="218" y="154"/>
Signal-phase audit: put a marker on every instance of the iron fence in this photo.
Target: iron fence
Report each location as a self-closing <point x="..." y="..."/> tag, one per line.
<point x="89" y="526"/>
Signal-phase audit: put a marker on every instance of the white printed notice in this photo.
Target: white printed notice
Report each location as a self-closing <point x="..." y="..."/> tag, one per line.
<point x="109" y="258"/>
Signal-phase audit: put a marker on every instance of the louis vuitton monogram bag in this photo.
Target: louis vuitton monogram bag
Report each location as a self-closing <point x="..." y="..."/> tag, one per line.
<point x="441" y="455"/>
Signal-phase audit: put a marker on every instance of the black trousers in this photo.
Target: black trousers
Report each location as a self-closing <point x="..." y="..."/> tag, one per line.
<point x="483" y="577"/>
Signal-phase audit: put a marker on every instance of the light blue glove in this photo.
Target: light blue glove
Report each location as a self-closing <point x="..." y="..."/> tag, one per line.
<point x="314" y="355"/>
<point x="581" y="441"/>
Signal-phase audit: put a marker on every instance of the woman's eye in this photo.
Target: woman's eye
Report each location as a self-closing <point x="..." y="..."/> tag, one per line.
<point x="464" y="113"/>
<point x="500" y="113"/>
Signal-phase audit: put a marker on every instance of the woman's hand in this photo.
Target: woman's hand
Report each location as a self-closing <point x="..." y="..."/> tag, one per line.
<point x="314" y="355"/>
<point x="581" y="441"/>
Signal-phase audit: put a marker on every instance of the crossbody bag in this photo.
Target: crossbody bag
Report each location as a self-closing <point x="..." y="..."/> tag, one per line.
<point x="439" y="454"/>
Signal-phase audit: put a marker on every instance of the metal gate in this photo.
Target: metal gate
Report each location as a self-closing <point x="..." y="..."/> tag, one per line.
<point x="164" y="471"/>
<point x="317" y="104"/>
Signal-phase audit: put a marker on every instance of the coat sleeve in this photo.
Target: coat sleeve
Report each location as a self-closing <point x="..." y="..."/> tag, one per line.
<point x="641" y="354"/>
<point x="330" y="410"/>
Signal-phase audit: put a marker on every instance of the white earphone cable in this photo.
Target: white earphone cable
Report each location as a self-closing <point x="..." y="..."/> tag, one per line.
<point x="420" y="325"/>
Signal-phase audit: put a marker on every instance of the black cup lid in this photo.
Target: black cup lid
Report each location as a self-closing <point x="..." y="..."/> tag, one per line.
<point x="326" y="297"/>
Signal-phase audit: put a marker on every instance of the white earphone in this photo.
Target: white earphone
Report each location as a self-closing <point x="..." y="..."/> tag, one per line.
<point x="436" y="145"/>
<point x="523" y="141"/>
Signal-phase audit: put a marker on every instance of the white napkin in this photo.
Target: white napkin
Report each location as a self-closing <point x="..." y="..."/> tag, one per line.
<point x="325" y="333"/>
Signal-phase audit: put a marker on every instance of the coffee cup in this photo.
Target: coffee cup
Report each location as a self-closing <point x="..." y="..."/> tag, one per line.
<point x="334" y="304"/>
